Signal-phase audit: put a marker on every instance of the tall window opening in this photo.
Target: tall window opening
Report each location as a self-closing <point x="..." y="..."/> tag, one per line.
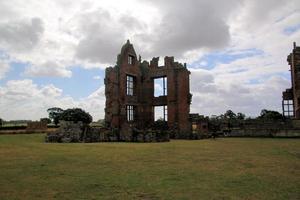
<point x="161" y="62"/>
<point x="161" y="113"/>
<point x="160" y="87"/>
<point x="129" y="85"/>
<point x="194" y="127"/>
<point x="130" y="112"/>
<point x="288" y="108"/>
<point x="131" y="60"/>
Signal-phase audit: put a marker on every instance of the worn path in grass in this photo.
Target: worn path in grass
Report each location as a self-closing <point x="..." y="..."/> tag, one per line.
<point x="225" y="168"/>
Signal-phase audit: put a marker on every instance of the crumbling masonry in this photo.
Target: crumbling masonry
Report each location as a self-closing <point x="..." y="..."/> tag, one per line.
<point x="130" y="99"/>
<point x="291" y="96"/>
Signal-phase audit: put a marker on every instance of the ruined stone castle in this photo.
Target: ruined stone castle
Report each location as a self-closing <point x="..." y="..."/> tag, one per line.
<point x="131" y="99"/>
<point x="291" y="96"/>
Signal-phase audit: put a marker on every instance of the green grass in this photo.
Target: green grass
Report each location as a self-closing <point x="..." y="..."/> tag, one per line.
<point x="225" y="168"/>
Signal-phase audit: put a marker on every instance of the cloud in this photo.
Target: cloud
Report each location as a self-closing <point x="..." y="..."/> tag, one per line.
<point x="23" y="99"/>
<point x="245" y="98"/>
<point x="48" y="69"/>
<point x="103" y="35"/>
<point x="251" y="82"/>
<point x="94" y="103"/>
<point x="21" y="35"/>
<point x="51" y="37"/>
<point x="189" y="26"/>
<point x="4" y="68"/>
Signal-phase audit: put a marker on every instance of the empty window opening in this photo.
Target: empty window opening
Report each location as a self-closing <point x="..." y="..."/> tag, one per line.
<point x="131" y="60"/>
<point x="194" y="127"/>
<point x="130" y="112"/>
<point x="161" y="62"/>
<point x="288" y="108"/>
<point x="129" y="85"/>
<point x="161" y="113"/>
<point x="160" y="87"/>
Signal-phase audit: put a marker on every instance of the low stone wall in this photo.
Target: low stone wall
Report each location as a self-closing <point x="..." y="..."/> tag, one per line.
<point x="263" y="133"/>
<point x="25" y="131"/>
<point x="78" y="132"/>
<point x="188" y="136"/>
<point x="150" y="136"/>
<point x="33" y="126"/>
<point x="262" y="128"/>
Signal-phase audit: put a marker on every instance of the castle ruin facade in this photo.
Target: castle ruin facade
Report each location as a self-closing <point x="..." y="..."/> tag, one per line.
<point x="291" y="96"/>
<point x="131" y="93"/>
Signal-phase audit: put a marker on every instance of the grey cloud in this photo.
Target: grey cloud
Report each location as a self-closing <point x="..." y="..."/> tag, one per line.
<point x="259" y="11"/>
<point x="6" y="11"/>
<point x="103" y="36"/>
<point x="190" y="25"/>
<point x="184" y="26"/>
<point x="202" y="81"/>
<point x="21" y="35"/>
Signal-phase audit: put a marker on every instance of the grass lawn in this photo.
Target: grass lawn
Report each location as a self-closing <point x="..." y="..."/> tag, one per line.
<point x="225" y="168"/>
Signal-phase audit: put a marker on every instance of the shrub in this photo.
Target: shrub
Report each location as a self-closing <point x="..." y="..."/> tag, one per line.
<point x="160" y="124"/>
<point x="47" y="120"/>
<point x="76" y="115"/>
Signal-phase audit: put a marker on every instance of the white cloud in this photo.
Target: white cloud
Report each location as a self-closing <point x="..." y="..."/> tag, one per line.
<point x="23" y="99"/>
<point x="49" y="69"/>
<point x="52" y="36"/>
<point x="90" y="33"/>
<point x="249" y="84"/>
<point x="4" y="68"/>
<point x="94" y="103"/>
<point x="246" y="98"/>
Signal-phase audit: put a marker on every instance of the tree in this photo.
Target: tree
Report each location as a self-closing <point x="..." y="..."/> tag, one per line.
<point x="1" y="122"/>
<point x="270" y="114"/>
<point x="229" y="114"/>
<point x="54" y="114"/>
<point x="240" y="116"/>
<point x="76" y="115"/>
<point x="47" y="120"/>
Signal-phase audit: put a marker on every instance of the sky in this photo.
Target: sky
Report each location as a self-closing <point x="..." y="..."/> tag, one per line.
<point x="53" y="53"/>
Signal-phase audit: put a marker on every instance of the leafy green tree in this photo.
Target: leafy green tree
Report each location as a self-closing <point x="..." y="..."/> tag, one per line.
<point x="1" y="122"/>
<point x="47" y="120"/>
<point x="240" y="116"/>
<point x="54" y="114"/>
<point x="76" y="115"/>
<point x="270" y="115"/>
<point x="220" y="117"/>
<point x="229" y="114"/>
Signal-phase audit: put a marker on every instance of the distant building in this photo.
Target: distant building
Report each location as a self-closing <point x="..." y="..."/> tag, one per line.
<point x="291" y="96"/>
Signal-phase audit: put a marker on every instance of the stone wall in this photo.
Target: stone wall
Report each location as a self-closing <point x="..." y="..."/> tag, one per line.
<point x="259" y="128"/>
<point x="70" y="132"/>
<point x="263" y="133"/>
<point x="34" y="126"/>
